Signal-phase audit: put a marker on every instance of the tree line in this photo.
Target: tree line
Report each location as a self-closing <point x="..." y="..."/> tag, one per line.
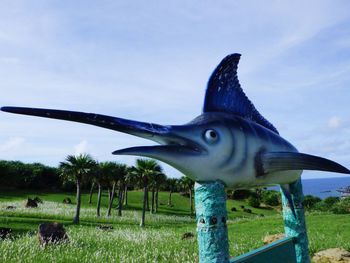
<point x="84" y="172"/>
<point x="18" y="175"/>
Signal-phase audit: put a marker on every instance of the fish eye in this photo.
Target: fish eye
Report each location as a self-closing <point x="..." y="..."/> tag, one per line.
<point x="211" y="136"/>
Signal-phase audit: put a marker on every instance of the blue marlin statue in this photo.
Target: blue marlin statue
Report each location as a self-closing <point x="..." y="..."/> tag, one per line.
<point x="230" y="141"/>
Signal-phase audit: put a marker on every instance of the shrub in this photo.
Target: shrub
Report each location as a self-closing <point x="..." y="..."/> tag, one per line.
<point x="310" y="201"/>
<point x="334" y="205"/>
<point x="271" y="198"/>
<point x="321" y="206"/>
<point x="254" y="201"/>
<point x="342" y="206"/>
<point x="241" y="194"/>
<point x="331" y="200"/>
<point x="346" y="201"/>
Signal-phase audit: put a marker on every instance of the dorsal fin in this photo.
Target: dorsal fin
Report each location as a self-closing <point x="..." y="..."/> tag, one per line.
<point x="224" y="93"/>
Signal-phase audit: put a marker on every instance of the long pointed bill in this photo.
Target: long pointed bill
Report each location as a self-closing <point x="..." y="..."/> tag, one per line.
<point x="141" y="129"/>
<point x="168" y="135"/>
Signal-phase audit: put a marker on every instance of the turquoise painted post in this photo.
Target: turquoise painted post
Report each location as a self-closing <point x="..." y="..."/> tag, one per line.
<point x="295" y="227"/>
<point x="211" y="214"/>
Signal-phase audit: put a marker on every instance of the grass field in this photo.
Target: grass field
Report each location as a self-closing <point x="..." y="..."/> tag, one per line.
<point x="160" y="241"/>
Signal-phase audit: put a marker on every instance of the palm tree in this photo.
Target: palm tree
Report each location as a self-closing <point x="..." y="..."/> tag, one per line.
<point x="171" y="183"/>
<point x="98" y="179"/>
<point x="160" y="180"/>
<point x="114" y="172"/>
<point x="77" y="168"/>
<point x="101" y="179"/>
<point x="91" y="191"/>
<point x="144" y="170"/>
<point x="128" y="179"/>
<point x="123" y="172"/>
<point x="188" y="184"/>
<point x="152" y="188"/>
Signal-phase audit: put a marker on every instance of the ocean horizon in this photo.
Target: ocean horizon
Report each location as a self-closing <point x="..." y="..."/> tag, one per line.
<point x="323" y="187"/>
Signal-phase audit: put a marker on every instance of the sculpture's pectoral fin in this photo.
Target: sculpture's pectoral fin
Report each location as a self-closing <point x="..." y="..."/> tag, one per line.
<point x="286" y="192"/>
<point x="269" y="162"/>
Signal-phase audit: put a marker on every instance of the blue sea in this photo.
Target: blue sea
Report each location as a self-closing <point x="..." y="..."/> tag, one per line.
<point x="323" y="187"/>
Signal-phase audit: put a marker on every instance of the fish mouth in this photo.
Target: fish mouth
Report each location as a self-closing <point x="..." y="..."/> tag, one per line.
<point x="160" y="151"/>
<point x="172" y="146"/>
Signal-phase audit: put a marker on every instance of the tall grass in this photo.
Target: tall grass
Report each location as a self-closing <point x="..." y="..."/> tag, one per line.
<point x="160" y="241"/>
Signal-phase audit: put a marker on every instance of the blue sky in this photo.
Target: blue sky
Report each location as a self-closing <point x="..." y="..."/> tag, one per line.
<point x="150" y="61"/>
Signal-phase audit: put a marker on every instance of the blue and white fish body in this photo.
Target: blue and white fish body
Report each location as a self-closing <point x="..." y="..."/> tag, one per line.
<point x="236" y="155"/>
<point x="222" y="147"/>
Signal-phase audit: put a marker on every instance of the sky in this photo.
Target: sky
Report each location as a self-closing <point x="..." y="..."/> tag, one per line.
<point x="151" y="60"/>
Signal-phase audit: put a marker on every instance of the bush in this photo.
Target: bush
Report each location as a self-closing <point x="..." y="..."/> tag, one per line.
<point x="346" y="201"/>
<point x="272" y="198"/>
<point x="241" y="194"/>
<point x="28" y="176"/>
<point x="310" y="201"/>
<point x="321" y="206"/>
<point x="331" y="200"/>
<point x="342" y="206"/>
<point x="254" y="201"/>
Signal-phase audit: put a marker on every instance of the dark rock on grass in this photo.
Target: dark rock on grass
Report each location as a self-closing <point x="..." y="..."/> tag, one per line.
<point x="38" y="200"/>
<point x="242" y="206"/>
<point x="233" y="209"/>
<point x="67" y="200"/>
<point x="51" y="233"/>
<point x="5" y="232"/>
<point x="247" y="210"/>
<point x="31" y="203"/>
<point x="187" y="235"/>
<point x="105" y="227"/>
<point x="10" y="207"/>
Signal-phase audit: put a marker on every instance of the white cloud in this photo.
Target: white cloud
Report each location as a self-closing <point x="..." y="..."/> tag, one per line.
<point x="81" y="147"/>
<point x="9" y="60"/>
<point x="11" y="145"/>
<point x="334" y="122"/>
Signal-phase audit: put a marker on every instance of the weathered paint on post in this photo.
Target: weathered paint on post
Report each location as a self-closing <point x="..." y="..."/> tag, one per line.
<point x="211" y="214"/>
<point x="295" y="226"/>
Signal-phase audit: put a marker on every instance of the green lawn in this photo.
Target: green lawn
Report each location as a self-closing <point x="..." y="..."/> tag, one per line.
<point x="181" y="204"/>
<point x="160" y="241"/>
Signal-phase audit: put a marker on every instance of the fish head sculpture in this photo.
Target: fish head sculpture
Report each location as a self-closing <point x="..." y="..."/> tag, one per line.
<point x="207" y="139"/>
<point x="230" y="141"/>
